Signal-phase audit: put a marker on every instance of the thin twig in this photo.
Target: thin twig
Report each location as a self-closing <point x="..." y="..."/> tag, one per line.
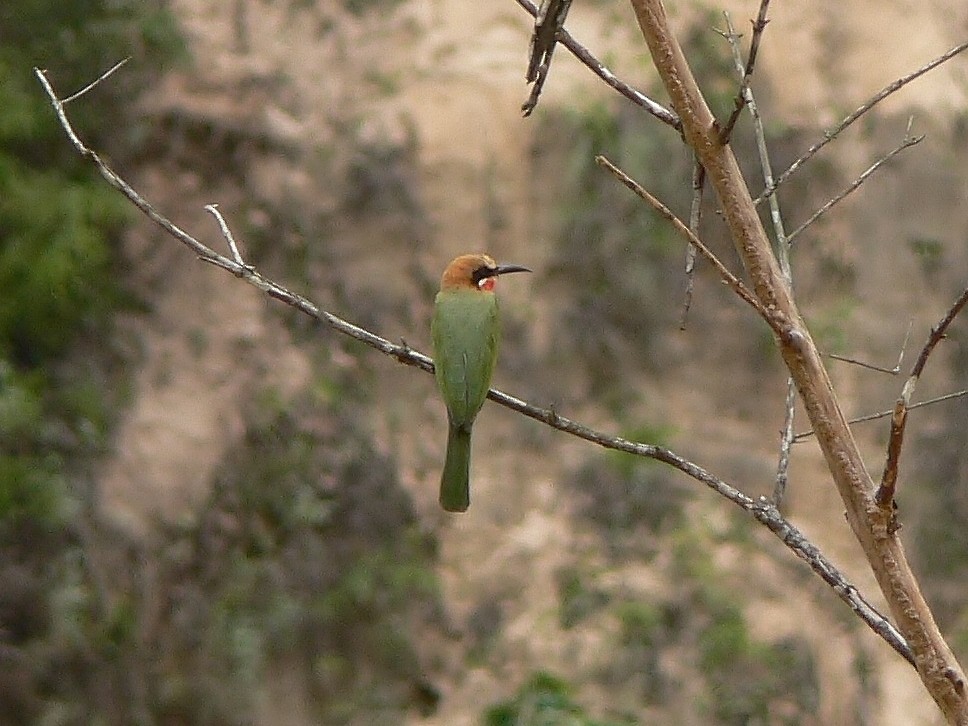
<point x="728" y="277"/>
<point x="852" y="117"/>
<point x="96" y="81"/>
<point x="763" y="511"/>
<point x="888" y="485"/>
<point x="906" y="143"/>
<point x="742" y="98"/>
<point x="880" y="369"/>
<point x="695" y="216"/>
<point x="884" y="414"/>
<point x="786" y="444"/>
<point x="863" y="364"/>
<point x="782" y="244"/>
<point x="226" y="232"/>
<point x="938" y="333"/>
<point x="582" y="53"/>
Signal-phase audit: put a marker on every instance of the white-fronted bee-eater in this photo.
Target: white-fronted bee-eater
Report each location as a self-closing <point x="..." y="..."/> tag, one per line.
<point x="465" y="331"/>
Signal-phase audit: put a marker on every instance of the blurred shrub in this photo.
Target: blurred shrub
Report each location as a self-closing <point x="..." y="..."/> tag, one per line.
<point x="748" y="680"/>
<point x="647" y="630"/>
<point x="629" y="499"/>
<point x="618" y="263"/>
<point x="578" y="597"/>
<point x="938" y="495"/>
<point x="543" y="700"/>
<point x="310" y="555"/>
<point x="613" y="254"/>
<point x="59" y="224"/>
<point x="361" y="7"/>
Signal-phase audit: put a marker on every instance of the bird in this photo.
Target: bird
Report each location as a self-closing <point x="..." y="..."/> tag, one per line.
<point x="464" y="330"/>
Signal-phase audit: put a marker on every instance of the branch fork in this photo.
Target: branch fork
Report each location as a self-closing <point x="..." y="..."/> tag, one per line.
<point x="873" y="525"/>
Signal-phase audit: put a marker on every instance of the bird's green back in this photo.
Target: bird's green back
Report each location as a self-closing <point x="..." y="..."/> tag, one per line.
<point x="465" y="332"/>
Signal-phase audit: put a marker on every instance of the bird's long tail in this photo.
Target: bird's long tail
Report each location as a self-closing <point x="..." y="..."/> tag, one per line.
<point x="455" y="481"/>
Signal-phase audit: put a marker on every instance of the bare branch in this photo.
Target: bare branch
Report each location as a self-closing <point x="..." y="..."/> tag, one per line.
<point x="938" y="333"/>
<point x="907" y="142"/>
<point x="96" y="81"/>
<point x="888" y="485"/>
<point x="884" y="414"/>
<point x="863" y="364"/>
<point x="782" y="244"/>
<point x="763" y="511"/>
<point x="226" y="232"/>
<point x="937" y="665"/>
<point x="728" y="277"/>
<point x="769" y="515"/>
<point x="852" y="117"/>
<point x="870" y="366"/>
<point x="695" y="215"/>
<point x="582" y="53"/>
<point x="786" y="444"/>
<point x="746" y="74"/>
<point x="206" y="254"/>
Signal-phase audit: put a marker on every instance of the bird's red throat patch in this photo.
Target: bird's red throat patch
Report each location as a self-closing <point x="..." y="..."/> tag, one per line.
<point x="487" y="284"/>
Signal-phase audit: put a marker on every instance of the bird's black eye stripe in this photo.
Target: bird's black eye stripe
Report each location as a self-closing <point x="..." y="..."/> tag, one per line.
<point x="481" y="273"/>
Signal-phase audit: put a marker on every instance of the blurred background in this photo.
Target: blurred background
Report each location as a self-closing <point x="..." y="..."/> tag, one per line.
<point x="214" y="511"/>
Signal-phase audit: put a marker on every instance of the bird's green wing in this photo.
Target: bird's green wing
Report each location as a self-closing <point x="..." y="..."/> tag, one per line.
<point x="465" y="332"/>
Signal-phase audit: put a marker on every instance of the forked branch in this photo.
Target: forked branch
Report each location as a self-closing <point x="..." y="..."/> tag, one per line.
<point x="598" y="68"/>
<point x="886" y="490"/>
<point x="742" y="97"/>
<point x="906" y="143"/>
<point x="864" y="108"/>
<point x="872" y="525"/>
<point x="803" y="435"/>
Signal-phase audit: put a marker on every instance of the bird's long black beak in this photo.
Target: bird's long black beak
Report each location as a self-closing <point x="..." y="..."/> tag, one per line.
<point x="505" y="269"/>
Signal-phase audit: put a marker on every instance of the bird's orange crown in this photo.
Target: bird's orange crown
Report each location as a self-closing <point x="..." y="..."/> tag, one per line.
<point x="474" y="272"/>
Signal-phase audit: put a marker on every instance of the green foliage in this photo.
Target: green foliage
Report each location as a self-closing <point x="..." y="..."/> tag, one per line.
<point x="323" y="562"/>
<point x="829" y="326"/>
<point x="725" y="639"/>
<point x="54" y="259"/>
<point x="57" y="218"/>
<point x="361" y="7"/>
<point x="58" y="226"/>
<point x="577" y="597"/>
<point x="749" y="681"/>
<point x="31" y="489"/>
<point x="544" y="700"/>
<point x="630" y="499"/>
<point x="647" y="630"/>
<point x="613" y="253"/>
<point x="84" y="38"/>
<point x="641" y="623"/>
<point x="930" y="253"/>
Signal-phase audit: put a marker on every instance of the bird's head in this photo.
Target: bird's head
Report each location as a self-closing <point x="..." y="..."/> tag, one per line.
<point x="475" y="272"/>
